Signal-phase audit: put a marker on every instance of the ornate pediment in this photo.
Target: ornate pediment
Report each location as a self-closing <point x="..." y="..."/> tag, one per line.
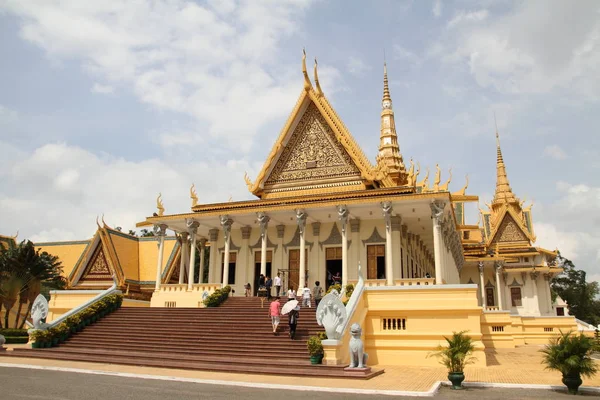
<point x="97" y="269"/>
<point x="509" y="231"/>
<point x="312" y="153"/>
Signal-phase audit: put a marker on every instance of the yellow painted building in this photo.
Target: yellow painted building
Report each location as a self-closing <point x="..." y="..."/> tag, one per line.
<point x="323" y="209"/>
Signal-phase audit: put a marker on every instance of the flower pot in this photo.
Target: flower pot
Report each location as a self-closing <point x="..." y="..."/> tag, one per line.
<point x="316" y="359"/>
<point x="456" y="378"/>
<point x="55" y="341"/>
<point x="35" y="345"/>
<point x="572" y="382"/>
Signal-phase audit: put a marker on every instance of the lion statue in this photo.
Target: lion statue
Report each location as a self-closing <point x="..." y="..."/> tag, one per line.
<point x="358" y="358"/>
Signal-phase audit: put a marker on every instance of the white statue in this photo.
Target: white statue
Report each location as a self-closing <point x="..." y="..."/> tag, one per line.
<point x="358" y="357"/>
<point x="39" y="311"/>
<point x="205" y="295"/>
<point x="2" y="341"/>
<point x="331" y="314"/>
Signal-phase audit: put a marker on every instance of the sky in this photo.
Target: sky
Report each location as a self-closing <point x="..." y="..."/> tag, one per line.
<point x="104" y="104"/>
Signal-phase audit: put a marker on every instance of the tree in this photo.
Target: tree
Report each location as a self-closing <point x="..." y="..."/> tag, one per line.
<point x="580" y="295"/>
<point x="146" y="233"/>
<point x="24" y="273"/>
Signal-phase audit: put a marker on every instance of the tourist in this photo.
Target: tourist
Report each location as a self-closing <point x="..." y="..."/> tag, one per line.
<point x="291" y="293"/>
<point x="274" y="313"/>
<point x="293" y="321"/>
<point x="268" y="286"/>
<point x="277" y="283"/>
<point x="248" y="288"/>
<point x="306" y="296"/>
<point x="317" y="293"/>
<point x="427" y="275"/>
<point x="261" y="281"/>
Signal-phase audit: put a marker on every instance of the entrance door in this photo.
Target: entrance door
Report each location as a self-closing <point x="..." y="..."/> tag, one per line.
<point x="333" y="266"/>
<point x="257" y="268"/>
<point x="376" y="261"/>
<point x="294" y="267"/>
<point x="232" y="259"/>
<point x="489" y="296"/>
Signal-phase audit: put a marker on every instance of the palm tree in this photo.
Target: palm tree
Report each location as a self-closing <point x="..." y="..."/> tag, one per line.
<point x="23" y="272"/>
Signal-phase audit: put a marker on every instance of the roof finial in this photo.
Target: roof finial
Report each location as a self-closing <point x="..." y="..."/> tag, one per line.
<point x="193" y="195"/>
<point x="503" y="191"/>
<point x="319" y="91"/>
<point x="386" y="88"/>
<point x="159" y="205"/>
<point x="307" y="84"/>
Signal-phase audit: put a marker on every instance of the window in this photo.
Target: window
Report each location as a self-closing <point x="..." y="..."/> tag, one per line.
<point x="515" y="296"/>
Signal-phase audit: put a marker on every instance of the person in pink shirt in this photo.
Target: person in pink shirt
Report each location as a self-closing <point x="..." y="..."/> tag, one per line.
<point x="274" y="313"/>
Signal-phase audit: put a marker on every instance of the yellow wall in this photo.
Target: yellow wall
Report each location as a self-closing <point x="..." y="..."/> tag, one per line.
<point x="178" y="296"/>
<point x="128" y="254"/>
<point x="430" y="313"/>
<point x="68" y="253"/>
<point x="62" y="301"/>
<point x="148" y="257"/>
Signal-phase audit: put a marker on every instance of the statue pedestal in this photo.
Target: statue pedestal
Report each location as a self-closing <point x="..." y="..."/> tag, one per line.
<point x="357" y="371"/>
<point x="2" y="348"/>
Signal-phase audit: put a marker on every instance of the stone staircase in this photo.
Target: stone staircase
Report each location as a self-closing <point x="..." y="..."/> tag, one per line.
<point x="235" y="337"/>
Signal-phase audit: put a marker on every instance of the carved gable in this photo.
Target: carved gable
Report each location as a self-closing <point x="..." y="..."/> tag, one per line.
<point x="312" y="154"/>
<point x="509" y="231"/>
<point x="97" y="269"/>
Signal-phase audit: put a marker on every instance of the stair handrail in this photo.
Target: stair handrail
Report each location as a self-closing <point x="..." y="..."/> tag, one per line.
<point x="110" y="290"/>
<point x="354" y="298"/>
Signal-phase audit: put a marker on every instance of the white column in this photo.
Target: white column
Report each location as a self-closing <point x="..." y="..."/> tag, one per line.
<point x="160" y="232"/>
<point x="193" y="230"/>
<point x="226" y="224"/>
<point x="404" y="240"/>
<point x="202" y="260"/>
<point x="396" y="245"/>
<point x="356" y="245"/>
<point x="285" y="281"/>
<point x="263" y="220"/>
<point x="498" y="267"/>
<point x="317" y="263"/>
<point x="437" y="213"/>
<point x="183" y="246"/>
<point x="386" y="207"/>
<point x="213" y="236"/>
<point x="481" y="283"/>
<point x="343" y="217"/>
<point x="547" y="277"/>
<point x="536" y="299"/>
<point x="301" y="220"/>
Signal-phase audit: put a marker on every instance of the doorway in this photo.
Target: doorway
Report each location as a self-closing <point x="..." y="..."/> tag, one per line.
<point x="232" y="262"/>
<point x="294" y="268"/>
<point x="333" y="266"/>
<point x="376" y="261"/>
<point x="257" y="256"/>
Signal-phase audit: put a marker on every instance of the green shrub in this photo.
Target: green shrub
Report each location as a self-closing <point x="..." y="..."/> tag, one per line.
<point x="217" y="297"/>
<point x="16" y="339"/>
<point x="337" y="287"/>
<point x="349" y="290"/>
<point x="458" y="353"/>
<point x="569" y="353"/>
<point x="314" y="345"/>
<point x="13" y="332"/>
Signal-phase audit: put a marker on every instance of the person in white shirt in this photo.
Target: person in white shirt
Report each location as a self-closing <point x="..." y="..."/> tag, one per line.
<point x="291" y="294"/>
<point x="306" y="297"/>
<point x="277" y="284"/>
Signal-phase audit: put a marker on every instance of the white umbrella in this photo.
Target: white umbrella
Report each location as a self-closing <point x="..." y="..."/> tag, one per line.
<point x="289" y="306"/>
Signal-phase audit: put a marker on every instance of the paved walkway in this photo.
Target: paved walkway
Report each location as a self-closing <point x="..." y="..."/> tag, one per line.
<point x="505" y="366"/>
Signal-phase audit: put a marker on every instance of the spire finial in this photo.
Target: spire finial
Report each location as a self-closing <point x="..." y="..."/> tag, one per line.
<point x="318" y="86"/>
<point x="386" y="88"/>
<point x="503" y="191"/>
<point x="307" y="84"/>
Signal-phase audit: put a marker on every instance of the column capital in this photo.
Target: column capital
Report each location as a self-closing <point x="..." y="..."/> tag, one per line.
<point x="301" y="219"/>
<point x="548" y="276"/>
<point x="246" y="230"/>
<point x="386" y="208"/>
<point x="396" y="223"/>
<point x="343" y="213"/>
<point x="534" y="275"/>
<point x="183" y="235"/>
<point x="192" y="225"/>
<point x="160" y="230"/>
<point x="480" y="267"/>
<point x="498" y="266"/>
<point x="263" y="220"/>
<point x="437" y="210"/>
<point x="524" y="276"/>
<point x="226" y="224"/>
<point x="213" y="234"/>
<point x="203" y="242"/>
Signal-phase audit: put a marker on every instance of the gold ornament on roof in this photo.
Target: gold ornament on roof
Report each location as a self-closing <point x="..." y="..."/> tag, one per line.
<point x="193" y="195"/>
<point x="424" y="184"/>
<point x="307" y="84"/>
<point x="160" y="206"/>
<point x="230" y="199"/>
<point x="463" y="191"/>
<point x="248" y="181"/>
<point x="104" y="223"/>
<point x="411" y="174"/>
<point x="438" y="178"/>
<point x="444" y="187"/>
<point x="317" y="85"/>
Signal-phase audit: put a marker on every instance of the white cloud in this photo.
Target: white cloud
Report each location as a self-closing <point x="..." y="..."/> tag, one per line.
<point x="437" y="8"/>
<point x="7" y="114"/>
<point x="537" y="47"/>
<point x="556" y="152"/>
<point x="464" y="17"/>
<point x="357" y="66"/>
<point x="103" y="89"/>
<point x="402" y="53"/>
<point x="80" y="185"/>
<point x="202" y="60"/>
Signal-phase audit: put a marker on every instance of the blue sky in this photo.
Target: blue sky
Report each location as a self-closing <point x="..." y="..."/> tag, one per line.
<point x="103" y="104"/>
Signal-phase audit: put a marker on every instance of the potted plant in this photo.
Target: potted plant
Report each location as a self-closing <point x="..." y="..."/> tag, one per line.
<point x="36" y="337"/>
<point x="315" y="348"/>
<point x="456" y="356"/>
<point x="570" y="354"/>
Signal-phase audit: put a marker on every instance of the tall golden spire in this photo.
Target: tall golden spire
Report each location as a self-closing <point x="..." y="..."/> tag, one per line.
<point x="503" y="193"/>
<point x="389" y="157"/>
